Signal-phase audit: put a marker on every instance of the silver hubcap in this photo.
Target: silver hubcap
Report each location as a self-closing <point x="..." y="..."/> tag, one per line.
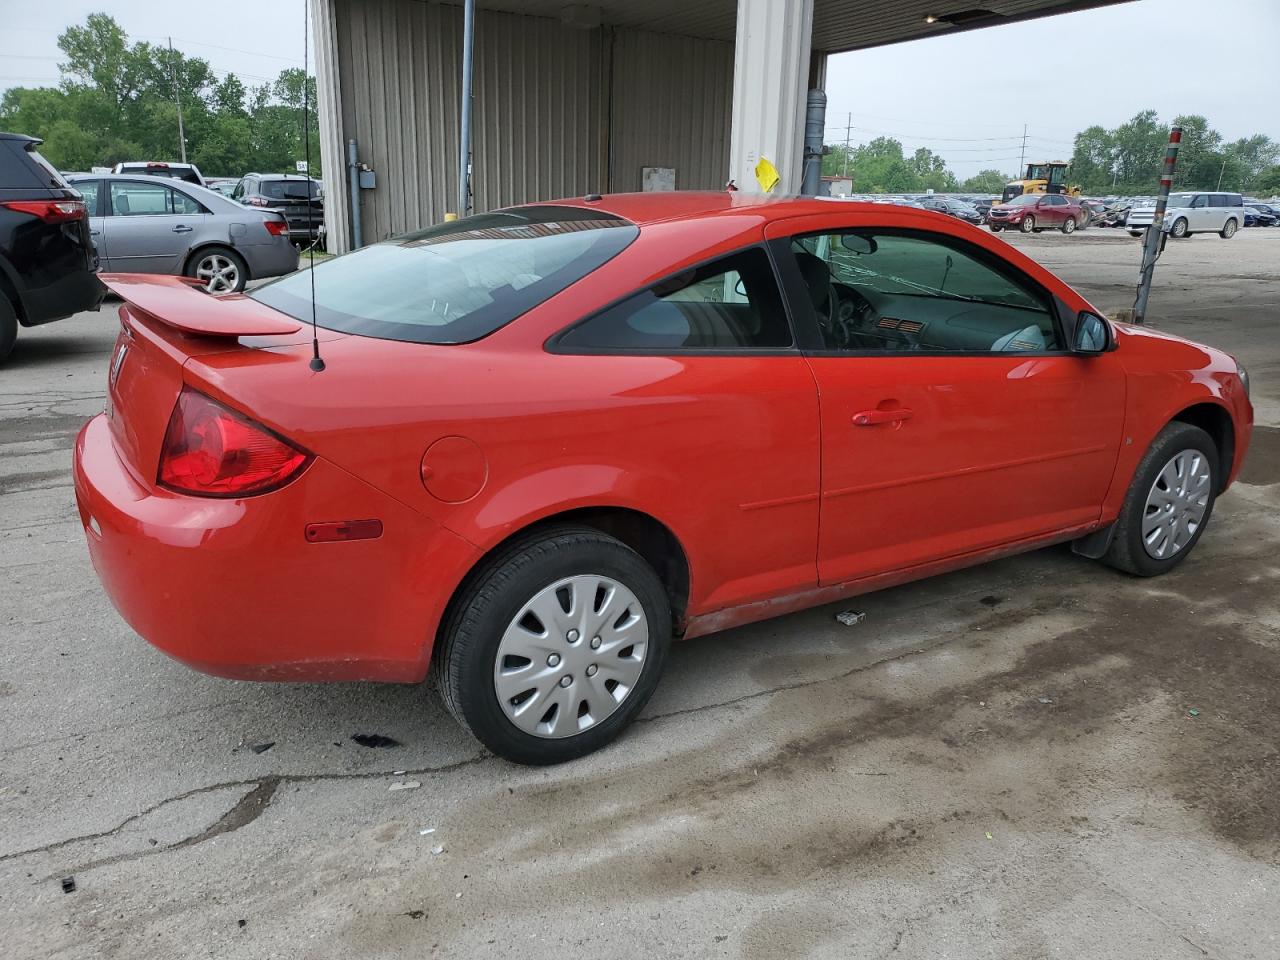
<point x="220" y="274"/>
<point x="571" y="656"/>
<point x="1176" y="504"/>
<point x="1069" y="226"/>
<point x="1028" y="224"/>
<point x="1231" y="228"/>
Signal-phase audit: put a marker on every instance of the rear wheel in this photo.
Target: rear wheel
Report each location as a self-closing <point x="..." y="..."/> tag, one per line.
<point x="1169" y="502"/>
<point x="8" y="327"/>
<point x="1028" y="223"/>
<point x="1179" y="229"/>
<point x="220" y="269"/>
<point x="1069" y="225"/>
<point x="1135" y="233"/>
<point x="555" y="647"/>
<point x="1229" y="230"/>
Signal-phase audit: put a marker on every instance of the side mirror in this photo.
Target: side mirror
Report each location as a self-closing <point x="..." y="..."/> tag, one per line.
<point x="1092" y="334"/>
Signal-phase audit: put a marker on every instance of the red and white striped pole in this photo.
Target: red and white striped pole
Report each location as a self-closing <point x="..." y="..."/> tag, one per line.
<point x="1154" y="241"/>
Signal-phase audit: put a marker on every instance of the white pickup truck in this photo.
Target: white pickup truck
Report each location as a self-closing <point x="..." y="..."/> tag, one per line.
<point x="1197" y="211"/>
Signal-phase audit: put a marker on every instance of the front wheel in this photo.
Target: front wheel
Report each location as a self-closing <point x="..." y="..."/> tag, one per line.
<point x="1229" y="230"/>
<point x="1069" y="225"/>
<point x="1169" y="502"/>
<point x="1135" y="233"/>
<point x="221" y="270"/>
<point x="555" y="647"/>
<point x="1028" y="223"/>
<point x="995" y="229"/>
<point x="1179" y="228"/>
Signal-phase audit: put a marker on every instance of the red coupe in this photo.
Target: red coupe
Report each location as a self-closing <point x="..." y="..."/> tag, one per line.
<point x="541" y="443"/>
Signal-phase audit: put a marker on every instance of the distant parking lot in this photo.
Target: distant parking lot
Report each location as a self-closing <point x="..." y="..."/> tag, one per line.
<point x="1035" y="758"/>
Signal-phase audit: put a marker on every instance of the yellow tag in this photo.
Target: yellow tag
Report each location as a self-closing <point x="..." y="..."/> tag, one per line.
<point x="767" y="175"/>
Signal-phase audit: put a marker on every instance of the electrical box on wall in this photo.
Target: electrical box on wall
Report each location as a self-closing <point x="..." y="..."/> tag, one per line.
<point x="657" y="179"/>
<point x="367" y="180"/>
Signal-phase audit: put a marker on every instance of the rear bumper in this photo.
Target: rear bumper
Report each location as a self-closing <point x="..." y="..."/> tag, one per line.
<point x="273" y="259"/>
<point x="232" y="588"/>
<point x="70" y="294"/>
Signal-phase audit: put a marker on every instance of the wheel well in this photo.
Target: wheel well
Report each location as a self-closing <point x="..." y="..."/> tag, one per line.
<point x="1216" y="422"/>
<point x="642" y="533"/>
<point x="196" y="251"/>
<point x="10" y="292"/>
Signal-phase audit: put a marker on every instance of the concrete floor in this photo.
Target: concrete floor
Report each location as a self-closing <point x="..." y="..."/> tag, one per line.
<point x="996" y="763"/>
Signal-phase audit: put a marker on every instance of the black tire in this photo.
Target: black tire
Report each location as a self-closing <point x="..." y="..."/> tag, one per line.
<point x="1127" y="551"/>
<point x="204" y="254"/>
<point x="995" y="229"/>
<point x="1028" y="223"/>
<point x="8" y="327"/>
<point x="1135" y="233"/>
<point x="1228" y="229"/>
<point x="1069" y="225"/>
<point x="469" y="642"/>
<point x="1179" y="229"/>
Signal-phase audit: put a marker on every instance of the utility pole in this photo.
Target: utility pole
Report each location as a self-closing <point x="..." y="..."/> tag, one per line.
<point x="177" y="98"/>
<point x="1022" y="169"/>
<point x="1155" y="238"/>
<point x="848" y="126"/>
<point x="1222" y="171"/>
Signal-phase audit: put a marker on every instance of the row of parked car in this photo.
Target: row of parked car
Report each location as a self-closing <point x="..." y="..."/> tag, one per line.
<point x="1186" y="213"/>
<point x="58" y="230"/>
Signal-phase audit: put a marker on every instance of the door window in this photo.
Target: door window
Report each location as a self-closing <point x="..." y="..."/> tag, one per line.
<point x="728" y="304"/>
<point x="895" y="292"/>
<point x="89" y="189"/>
<point x="1201" y="201"/>
<point x="181" y="203"/>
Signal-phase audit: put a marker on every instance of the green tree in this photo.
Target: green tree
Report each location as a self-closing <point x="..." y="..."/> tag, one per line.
<point x="985" y="181"/>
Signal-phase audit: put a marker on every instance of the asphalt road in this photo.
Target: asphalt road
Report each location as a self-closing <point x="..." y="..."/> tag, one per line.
<point x="1001" y="762"/>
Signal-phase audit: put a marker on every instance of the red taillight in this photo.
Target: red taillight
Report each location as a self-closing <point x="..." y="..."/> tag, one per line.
<point x="257" y="201"/>
<point x="50" y="211"/>
<point x="277" y="228"/>
<point x="212" y="451"/>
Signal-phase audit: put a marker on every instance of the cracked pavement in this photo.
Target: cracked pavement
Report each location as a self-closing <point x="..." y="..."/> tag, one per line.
<point x="998" y="762"/>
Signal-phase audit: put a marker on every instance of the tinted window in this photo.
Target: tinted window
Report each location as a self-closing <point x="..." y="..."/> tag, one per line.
<point x="54" y="177"/>
<point x="729" y="304"/>
<point x="893" y="292"/>
<point x="457" y="281"/>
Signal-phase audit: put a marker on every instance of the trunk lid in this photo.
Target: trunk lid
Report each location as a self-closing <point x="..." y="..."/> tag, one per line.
<point x="166" y="322"/>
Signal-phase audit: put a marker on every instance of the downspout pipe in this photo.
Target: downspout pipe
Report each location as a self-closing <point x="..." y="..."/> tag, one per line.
<point x="353" y="177"/>
<point x="815" y="123"/>
<point x="464" y="152"/>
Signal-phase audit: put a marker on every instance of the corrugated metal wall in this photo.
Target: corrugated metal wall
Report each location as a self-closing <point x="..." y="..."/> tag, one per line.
<point x="549" y="99"/>
<point x="540" y="108"/>
<point x="672" y="103"/>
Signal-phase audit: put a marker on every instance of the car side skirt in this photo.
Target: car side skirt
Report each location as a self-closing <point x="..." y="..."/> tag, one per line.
<point x="730" y="617"/>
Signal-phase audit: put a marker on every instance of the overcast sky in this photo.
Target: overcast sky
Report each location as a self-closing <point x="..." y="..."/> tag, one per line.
<point x="965" y="96"/>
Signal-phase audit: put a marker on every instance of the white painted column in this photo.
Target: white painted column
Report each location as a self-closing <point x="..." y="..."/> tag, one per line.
<point x="770" y="79"/>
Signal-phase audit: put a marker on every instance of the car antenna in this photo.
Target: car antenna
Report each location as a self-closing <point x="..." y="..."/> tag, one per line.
<point x="317" y="363"/>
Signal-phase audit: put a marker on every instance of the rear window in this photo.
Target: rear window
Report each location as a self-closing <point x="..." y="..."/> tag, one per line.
<point x="46" y="168"/>
<point x="455" y="282"/>
<point x="287" y="189"/>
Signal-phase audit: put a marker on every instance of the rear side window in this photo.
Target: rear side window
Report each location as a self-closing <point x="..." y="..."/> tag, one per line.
<point x="729" y="304"/>
<point x="455" y="282"/>
<point x="46" y="169"/>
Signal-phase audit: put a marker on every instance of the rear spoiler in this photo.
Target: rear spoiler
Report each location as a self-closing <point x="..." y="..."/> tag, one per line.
<point x="178" y="303"/>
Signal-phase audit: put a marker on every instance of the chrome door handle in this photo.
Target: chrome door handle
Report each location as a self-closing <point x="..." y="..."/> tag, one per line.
<point x="180" y="228"/>
<point x="871" y="418"/>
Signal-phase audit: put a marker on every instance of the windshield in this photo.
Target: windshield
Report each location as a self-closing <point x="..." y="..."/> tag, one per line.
<point x="1026" y="200"/>
<point x="288" y="189"/>
<point x="455" y="282"/>
<point x="1180" y="199"/>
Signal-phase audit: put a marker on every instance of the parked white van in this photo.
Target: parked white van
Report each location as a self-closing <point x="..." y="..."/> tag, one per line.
<point x="1198" y="211"/>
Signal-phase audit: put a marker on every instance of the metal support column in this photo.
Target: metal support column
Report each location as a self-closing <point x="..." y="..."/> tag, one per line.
<point x="464" y="153"/>
<point x="815" y="126"/>
<point x="1155" y="238"/>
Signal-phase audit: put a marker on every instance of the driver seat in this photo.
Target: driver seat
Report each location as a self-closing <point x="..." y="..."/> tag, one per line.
<point x="817" y="277"/>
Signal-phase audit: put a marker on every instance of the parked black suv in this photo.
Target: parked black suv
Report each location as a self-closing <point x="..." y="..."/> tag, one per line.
<point x="292" y="195"/>
<point x="47" y="262"/>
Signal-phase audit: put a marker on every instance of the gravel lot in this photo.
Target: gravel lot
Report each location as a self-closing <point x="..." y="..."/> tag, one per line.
<point x="996" y="763"/>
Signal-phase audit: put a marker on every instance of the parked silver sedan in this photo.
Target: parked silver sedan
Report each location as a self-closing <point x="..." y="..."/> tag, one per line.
<point x="146" y="224"/>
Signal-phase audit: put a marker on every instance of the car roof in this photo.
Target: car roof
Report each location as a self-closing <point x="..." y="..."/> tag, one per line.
<point x="659" y="206"/>
<point x="19" y="136"/>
